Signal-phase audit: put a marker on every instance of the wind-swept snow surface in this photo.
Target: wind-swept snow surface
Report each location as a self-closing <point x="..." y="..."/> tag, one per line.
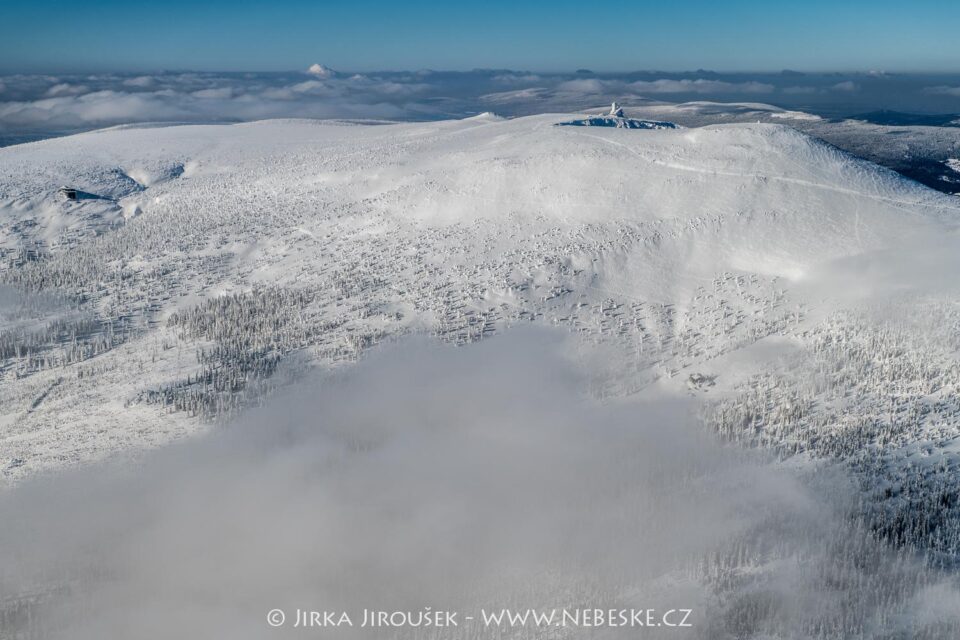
<point x="319" y="240"/>
<point x="803" y="297"/>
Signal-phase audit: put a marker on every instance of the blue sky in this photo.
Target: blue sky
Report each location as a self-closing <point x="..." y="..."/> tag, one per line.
<point x="254" y="35"/>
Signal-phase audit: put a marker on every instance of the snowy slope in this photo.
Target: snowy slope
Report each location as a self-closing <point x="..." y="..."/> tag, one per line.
<point x="220" y="261"/>
<point x="919" y="152"/>
<point x="804" y="297"/>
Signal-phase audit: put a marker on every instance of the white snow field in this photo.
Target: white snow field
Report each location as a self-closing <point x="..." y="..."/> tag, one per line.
<point x="216" y="257"/>
<point x="803" y="296"/>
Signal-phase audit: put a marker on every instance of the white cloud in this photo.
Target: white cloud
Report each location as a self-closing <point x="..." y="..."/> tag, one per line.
<point x="42" y="103"/>
<point x="585" y="85"/>
<point x="66" y="89"/>
<point x="700" y="85"/>
<point x="663" y="85"/>
<point x="140" y="81"/>
<point x="310" y="86"/>
<point x="799" y="90"/>
<point x="220" y="93"/>
<point x="519" y="95"/>
<point x="847" y="85"/>
<point x="195" y="97"/>
<point x="517" y="78"/>
<point x="944" y="90"/>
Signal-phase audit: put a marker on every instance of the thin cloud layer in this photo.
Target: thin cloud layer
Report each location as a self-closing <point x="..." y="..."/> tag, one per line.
<point x="701" y="86"/>
<point x="945" y="90"/>
<point x="51" y="104"/>
<point x="78" y="103"/>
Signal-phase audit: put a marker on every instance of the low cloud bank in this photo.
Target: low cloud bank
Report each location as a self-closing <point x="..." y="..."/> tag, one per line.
<point x="945" y="90"/>
<point x="50" y="104"/>
<point x="464" y="479"/>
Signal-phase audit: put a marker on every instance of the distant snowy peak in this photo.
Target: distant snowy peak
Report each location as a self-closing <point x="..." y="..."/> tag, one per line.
<point x="953" y="163"/>
<point x="321" y="71"/>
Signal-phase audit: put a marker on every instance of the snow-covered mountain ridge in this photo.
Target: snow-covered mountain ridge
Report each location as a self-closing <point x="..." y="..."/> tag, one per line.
<point x="216" y="262"/>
